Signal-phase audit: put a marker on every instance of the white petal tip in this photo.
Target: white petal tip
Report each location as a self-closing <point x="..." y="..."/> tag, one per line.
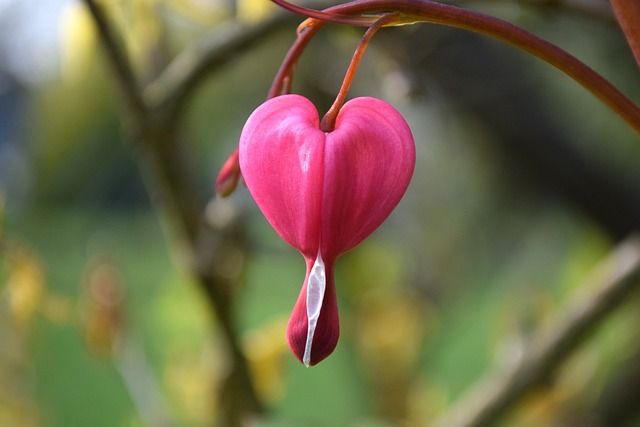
<point x="316" y="286"/>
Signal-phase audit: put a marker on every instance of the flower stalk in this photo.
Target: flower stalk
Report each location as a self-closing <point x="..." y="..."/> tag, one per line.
<point x="427" y="11"/>
<point x="376" y="14"/>
<point x="329" y="120"/>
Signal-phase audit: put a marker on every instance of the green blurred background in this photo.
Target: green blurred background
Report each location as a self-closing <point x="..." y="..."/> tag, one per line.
<point x="523" y="183"/>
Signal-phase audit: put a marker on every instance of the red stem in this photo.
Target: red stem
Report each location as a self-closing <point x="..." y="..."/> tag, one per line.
<point x="326" y="15"/>
<point x="282" y="82"/>
<point x="329" y="120"/>
<point x="428" y="11"/>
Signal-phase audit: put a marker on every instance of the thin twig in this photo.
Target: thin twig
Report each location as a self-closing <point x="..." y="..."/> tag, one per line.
<point x="190" y="67"/>
<point x="614" y="281"/>
<point x="129" y="90"/>
<point x="179" y="79"/>
<point x="328" y="122"/>
<point x="170" y="180"/>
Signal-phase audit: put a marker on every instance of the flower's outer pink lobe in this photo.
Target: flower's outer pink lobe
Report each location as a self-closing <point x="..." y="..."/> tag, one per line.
<point x="324" y="193"/>
<point x="369" y="161"/>
<point x="281" y="149"/>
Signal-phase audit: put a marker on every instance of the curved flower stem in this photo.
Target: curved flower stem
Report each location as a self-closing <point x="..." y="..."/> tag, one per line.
<point x="282" y="82"/>
<point x="327" y="16"/>
<point x="412" y="11"/>
<point x="329" y="120"/>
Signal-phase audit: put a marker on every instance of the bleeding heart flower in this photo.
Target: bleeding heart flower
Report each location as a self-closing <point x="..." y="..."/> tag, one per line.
<point x="324" y="193"/>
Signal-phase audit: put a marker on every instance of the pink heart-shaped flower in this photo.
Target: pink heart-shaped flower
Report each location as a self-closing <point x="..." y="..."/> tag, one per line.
<point x="324" y="193"/>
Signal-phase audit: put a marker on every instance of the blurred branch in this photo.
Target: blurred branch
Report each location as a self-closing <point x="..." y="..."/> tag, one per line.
<point x="179" y="79"/>
<point x="534" y="142"/>
<point x="220" y="45"/>
<point x="122" y="68"/>
<point x="201" y="243"/>
<point x="614" y="281"/>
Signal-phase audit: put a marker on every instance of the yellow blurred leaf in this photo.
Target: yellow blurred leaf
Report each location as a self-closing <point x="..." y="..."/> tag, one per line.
<point x="57" y="309"/>
<point x="265" y="350"/>
<point x="391" y="327"/>
<point x="103" y="307"/>
<point x="203" y="12"/>
<point x="190" y="376"/>
<point x="253" y="11"/>
<point x="79" y="40"/>
<point x="14" y="412"/>
<point x="18" y="304"/>
<point x="26" y="285"/>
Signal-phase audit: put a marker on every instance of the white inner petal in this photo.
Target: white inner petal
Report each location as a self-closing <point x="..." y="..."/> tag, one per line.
<point x="315" y="295"/>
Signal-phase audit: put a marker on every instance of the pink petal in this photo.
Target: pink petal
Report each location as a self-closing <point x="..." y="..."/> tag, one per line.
<point x="281" y="149"/>
<point x="324" y="194"/>
<point x="369" y="161"/>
